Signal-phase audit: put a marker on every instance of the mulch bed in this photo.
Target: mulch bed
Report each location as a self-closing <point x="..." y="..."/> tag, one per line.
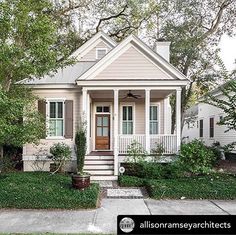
<point x="227" y="166"/>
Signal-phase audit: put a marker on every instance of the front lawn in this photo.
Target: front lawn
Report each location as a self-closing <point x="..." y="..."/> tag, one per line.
<point x="217" y="186"/>
<point x="40" y="190"/>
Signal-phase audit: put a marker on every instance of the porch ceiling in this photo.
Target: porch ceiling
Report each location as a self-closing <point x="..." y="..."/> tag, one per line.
<point x="155" y="94"/>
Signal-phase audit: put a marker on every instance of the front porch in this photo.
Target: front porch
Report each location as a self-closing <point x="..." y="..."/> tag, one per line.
<point x="112" y="126"/>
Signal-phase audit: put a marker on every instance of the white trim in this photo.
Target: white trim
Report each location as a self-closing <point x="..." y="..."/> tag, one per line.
<point x="147" y="119"/>
<point x="158" y="104"/>
<point x="132" y="82"/>
<point x="122" y="104"/>
<point x="94" y="108"/>
<point x="178" y="118"/>
<point x="115" y="53"/>
<point x="100" y="48"/>
<point x="48" y="100"/>
<point x="87" y="46"/>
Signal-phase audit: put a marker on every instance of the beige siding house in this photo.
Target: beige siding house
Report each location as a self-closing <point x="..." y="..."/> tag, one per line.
<point x="122" y="91"/>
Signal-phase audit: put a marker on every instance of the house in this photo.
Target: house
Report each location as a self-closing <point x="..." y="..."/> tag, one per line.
<point x="201" y="123"/>
<point x="121" y="90"/>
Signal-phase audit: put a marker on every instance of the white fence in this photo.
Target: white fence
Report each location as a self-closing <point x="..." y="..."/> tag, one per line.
<point x="167" y="141"/>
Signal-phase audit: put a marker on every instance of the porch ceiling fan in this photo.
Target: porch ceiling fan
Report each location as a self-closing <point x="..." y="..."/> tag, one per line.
<point x="131" y="95"/>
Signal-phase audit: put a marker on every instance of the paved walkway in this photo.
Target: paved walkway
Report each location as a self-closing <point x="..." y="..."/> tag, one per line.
<point x="103" y="219"/>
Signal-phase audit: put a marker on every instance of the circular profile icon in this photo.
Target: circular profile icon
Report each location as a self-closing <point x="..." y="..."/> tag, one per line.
<point x="127" y="225"/>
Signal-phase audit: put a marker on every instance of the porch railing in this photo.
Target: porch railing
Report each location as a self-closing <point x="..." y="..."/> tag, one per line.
<point x="168" y="142"/>
<point x="126" y="140"/>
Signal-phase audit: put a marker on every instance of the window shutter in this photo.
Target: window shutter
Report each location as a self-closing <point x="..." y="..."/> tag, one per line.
<point x="42" y="110"/>
<point x="69" y="119"/>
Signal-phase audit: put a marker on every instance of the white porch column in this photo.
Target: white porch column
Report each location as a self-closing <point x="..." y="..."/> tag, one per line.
<point x="85" y="114"/>
<point x="88" y="123"/>
<point x="147" y="119"/>
<point x="116" y="132"/>
<point x="178" y="118"/>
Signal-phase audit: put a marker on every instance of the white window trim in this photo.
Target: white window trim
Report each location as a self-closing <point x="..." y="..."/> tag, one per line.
<point x="158" y="118"/>
<point x="47" y="118"/>
<point x="100" y="48"/>
<point x="122" y="104"/>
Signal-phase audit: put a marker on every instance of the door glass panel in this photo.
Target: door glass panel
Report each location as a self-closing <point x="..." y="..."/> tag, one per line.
<point x="99" y="121"/>
<point x="99" y="131"/>
<point x="105" y="131"/>
<point x="105" y="121"/>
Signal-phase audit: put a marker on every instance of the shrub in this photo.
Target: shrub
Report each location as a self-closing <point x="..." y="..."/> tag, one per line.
<point x="195" y="157"/>
<point x="136" y="152"/>
<point x="157" y="152"/>
<point x="151" y="170"/>
<point x="80" y="143"/>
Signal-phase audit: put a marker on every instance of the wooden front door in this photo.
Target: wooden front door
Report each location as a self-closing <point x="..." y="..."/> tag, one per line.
<point x="102" y="132"/>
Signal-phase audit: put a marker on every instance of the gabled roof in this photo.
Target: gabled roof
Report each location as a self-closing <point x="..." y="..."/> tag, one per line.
<point x="88" y="45"/>
<point x="113" y="54"/>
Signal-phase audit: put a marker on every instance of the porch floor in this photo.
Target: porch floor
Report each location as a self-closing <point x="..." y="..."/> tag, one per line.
<point x="101" y="153"/>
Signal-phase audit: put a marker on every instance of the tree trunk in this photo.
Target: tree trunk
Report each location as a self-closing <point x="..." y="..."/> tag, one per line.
<point x="1" y="152"/>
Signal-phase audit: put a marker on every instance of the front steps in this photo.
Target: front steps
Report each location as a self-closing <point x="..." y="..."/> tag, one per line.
<point x="100" y="167"/>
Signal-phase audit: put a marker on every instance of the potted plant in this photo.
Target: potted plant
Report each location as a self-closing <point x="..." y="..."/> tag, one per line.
<point x="81" y="179"/>
<point x="59" y="153"/>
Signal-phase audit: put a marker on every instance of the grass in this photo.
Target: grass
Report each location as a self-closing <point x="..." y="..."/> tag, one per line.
<point x="40" y="190"/>
<point x="219" y="186"/>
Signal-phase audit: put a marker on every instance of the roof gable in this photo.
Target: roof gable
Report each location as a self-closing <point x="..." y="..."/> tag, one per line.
<point x="114" y="54"/>
<point x="133" y="64"/>
<point x="99" y="40"/>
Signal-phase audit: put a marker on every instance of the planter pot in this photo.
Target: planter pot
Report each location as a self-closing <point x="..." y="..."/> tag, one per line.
<point x="81" y="181"/>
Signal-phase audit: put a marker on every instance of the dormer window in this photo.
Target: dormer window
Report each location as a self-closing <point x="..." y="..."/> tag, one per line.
<point x="100" y="52"/>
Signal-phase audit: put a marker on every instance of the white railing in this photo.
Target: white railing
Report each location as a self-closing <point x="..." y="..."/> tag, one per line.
<point x="126" y="140"/>
<point x="168" y="142"/>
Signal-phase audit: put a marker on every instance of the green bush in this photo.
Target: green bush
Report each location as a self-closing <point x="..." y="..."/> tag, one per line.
<point x="60" y="152"/>
<point x="151" y="170"/>
<point x="80" y="143"/>
<point x="136" y="152"/>
<point x="195" y="157"/>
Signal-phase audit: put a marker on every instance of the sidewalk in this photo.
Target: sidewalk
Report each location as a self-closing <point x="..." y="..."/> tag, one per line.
<point x="103" y="219"/>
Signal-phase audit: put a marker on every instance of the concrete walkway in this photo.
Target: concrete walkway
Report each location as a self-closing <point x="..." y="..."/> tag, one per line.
<point x="103" y="219"/>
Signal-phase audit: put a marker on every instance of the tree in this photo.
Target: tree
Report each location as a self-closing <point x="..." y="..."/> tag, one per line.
<point x="33" y="43"/>
<point x="227" y="102"/>
<point x="14" y="108"/>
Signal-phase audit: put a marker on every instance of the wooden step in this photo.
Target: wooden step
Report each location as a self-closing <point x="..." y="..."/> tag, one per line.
<point x="91" y="157"/>
<point x="100" y="172"/>
<point x="98" y="167"/>
<point x="104" y="177"/>
<point x="98" y="162"/>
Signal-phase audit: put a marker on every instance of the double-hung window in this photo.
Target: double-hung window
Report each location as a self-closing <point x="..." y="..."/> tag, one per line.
<point x="211" y="131"/>
<point x="56" y="118"/>
<point x="127" y="120"/>
<point x="154" y="125"/>
<point x="201" y="128"/>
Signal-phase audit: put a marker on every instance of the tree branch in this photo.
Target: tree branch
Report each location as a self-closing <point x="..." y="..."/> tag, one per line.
<point x="121" y="13"/>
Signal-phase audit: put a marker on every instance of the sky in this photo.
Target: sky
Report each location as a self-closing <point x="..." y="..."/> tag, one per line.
<point x="228" y="51"/>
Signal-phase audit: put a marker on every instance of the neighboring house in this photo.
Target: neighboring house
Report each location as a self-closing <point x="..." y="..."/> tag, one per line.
<point x="121" y="90"/>
<point x="201" y="123"/>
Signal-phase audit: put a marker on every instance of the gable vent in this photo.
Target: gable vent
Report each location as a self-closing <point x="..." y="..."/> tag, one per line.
<point x="101" y="52"/>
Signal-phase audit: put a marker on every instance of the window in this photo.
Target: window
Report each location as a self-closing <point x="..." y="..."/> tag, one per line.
<point x="100" y="52"/>
<point x="154" y="119"/>
<point x="56" y="118"/>
<point x="103" y="109"/>
<point x="127" y="120"/>
<point x="211" y="120"/>
<point x="201" y="128"/>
